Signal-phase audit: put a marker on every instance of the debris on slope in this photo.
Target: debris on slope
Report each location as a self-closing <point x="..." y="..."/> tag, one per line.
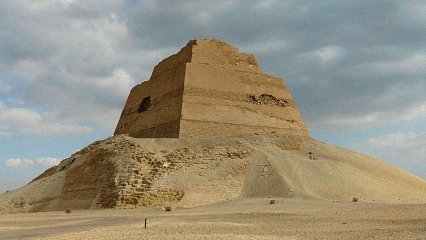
<point x="125" y="172"/>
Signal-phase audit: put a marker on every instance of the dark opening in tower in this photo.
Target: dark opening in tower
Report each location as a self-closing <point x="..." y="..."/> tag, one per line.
<point x="145" y="104"/>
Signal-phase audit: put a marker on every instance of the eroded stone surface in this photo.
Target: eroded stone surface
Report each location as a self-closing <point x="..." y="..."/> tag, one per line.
<point x="209" y="89"/>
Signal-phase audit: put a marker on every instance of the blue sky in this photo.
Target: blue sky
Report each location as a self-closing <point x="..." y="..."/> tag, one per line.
<point x="357" y="69"/>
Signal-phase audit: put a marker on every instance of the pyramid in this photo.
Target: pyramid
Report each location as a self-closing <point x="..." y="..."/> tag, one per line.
<point x="209" y="89"/>
<point x="173" y="147"/>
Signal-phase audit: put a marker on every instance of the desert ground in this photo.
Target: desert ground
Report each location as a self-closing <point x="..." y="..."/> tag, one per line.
<point x="252" y="218"/>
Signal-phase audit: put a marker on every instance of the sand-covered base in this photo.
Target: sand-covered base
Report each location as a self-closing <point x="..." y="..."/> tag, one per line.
<point x="124" y="172"/>
<point x="240" y="219"/>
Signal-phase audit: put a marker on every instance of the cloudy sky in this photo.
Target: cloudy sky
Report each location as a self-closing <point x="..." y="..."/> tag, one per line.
<point x="357" y="69"/>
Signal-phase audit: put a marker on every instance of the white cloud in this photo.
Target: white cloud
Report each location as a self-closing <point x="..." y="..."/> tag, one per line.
<point x="406" y="150"/>
<point x="266" y="4"/>
<point x="415" y="12"/>
<point x="17" y="162"/>
<point x="23" y="163"/>
<point x="323" y="56"/>
<point x="398" y="146"/>
<point x="414" y="64"/>
<point x="28" y="121"/>
<point x="47" y="161"/>
<point x="329" y="53"/>
<point x="98" y="99"/>
<point x="29" y="69"/>
<point x="415" y="112"/>
<point x="396" y="140"/>
<point x="351" y="121"/>
<point x="72" y="57"/>
<point x="120" y="83"/>
<point x="338" y="121"/>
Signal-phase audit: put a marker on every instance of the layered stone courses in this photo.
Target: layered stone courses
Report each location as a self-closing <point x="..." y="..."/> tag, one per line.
<point x="209" y="89"/>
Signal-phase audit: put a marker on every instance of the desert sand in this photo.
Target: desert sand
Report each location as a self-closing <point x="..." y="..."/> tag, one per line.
<point x="238" y="219"/>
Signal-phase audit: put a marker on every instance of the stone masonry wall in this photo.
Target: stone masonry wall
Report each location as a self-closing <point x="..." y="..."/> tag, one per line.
<point x="159" y="115"/>
<point x="209" y="89"/>
<point x="230" y="96"/>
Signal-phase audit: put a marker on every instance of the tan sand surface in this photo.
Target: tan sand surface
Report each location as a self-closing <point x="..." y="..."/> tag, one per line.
<point x="238" y="219"/>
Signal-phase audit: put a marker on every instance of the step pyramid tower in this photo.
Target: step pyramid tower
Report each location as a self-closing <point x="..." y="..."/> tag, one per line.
<point x="209" y="89"/>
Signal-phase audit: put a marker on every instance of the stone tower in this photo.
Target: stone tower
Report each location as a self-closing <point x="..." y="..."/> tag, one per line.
<point x="209" y="89"/>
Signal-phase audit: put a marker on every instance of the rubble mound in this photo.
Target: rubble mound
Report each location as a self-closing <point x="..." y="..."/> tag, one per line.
<point x="126" y="172"/>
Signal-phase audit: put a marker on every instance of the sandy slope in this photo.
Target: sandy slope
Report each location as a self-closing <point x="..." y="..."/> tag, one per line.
<point x="127" y="172"/>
